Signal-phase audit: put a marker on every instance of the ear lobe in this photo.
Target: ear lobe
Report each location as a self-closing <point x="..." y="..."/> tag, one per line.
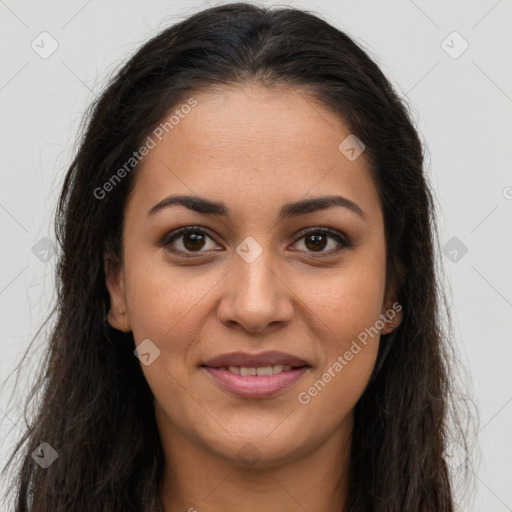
<point x="117" y="317"/>
<point x="392" y="317"/>
<point x="392" y="311"/>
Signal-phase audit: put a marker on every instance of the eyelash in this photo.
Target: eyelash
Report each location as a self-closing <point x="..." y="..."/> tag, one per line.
<point x="171" y="237"/>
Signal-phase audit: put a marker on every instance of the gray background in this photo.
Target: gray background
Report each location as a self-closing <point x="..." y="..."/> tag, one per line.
<point x="462" y="106"/>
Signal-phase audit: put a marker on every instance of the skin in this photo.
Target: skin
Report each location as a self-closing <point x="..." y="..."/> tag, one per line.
<point x="253" y="149"/>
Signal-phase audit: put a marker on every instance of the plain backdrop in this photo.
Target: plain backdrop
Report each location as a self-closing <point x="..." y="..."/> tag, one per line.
<point x="450" y="59"/>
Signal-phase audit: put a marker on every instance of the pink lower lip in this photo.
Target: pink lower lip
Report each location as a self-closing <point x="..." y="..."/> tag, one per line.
<point x="254" y="386"/>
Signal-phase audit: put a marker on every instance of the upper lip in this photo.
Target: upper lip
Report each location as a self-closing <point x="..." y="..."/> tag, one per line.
<point x="244" y="359"/>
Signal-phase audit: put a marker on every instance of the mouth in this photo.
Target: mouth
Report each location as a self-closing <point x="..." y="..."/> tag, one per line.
<point x="255" y="376"/>
<point x="259" y="371"/>
<point x="263" y="359"/>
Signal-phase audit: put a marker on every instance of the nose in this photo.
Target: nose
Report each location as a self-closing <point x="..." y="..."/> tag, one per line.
<point x="255" y="295"/>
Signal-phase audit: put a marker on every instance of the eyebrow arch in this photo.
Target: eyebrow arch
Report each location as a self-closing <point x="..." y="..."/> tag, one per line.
<point x="295" y="209"/>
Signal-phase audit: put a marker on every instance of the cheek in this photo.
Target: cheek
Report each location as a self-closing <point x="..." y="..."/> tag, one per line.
<point x="168" y="308"/>
<point x="349" y="299"/>
<point x="164" y="303"/>
<point x="347" y="324"/>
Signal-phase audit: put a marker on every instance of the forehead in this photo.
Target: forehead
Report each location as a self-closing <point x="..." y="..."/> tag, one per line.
<point x="252" y="146"/>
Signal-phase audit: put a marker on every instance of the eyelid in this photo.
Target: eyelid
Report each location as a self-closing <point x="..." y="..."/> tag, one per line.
<point x="341" y="238"/>
<point x="333" y="233"/>
<point x="179" y="232"/>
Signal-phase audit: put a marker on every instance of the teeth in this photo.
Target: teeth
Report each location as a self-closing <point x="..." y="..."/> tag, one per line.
<point x="262" y="370"/>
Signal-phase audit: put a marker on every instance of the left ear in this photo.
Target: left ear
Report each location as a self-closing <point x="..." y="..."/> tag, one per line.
<point x="392" y="311"/>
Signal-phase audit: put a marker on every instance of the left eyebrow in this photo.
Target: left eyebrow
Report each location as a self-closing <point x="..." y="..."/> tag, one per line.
<point x="315" y="204"/>
<point x="288" y="210"/>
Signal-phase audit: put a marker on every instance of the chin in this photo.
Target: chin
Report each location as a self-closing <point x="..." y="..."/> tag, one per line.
<point x="257" y="450"/>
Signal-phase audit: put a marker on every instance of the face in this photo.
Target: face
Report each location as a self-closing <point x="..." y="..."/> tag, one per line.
<point x="262" y="269"/>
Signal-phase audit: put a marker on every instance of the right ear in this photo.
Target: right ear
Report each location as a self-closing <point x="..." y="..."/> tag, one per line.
<point x="118" y="315"/>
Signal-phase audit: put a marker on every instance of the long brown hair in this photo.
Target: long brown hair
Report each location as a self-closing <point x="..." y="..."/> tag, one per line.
<point x="93" y="404"/>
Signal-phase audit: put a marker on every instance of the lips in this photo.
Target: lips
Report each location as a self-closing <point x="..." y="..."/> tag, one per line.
<point x="256" y="375"/>
<point x="246" y="360"/>
<point x="253" y="386"/>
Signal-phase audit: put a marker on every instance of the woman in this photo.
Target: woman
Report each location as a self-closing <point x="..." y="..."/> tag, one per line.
<point x="248" y="309"/>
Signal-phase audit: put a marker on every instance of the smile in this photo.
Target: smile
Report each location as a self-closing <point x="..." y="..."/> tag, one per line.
<point x="259" y="382"/>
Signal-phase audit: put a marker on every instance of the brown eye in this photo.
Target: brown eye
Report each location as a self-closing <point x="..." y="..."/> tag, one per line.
<point x="317" y="240"/>
<point x="187" y="240"/>
<point x="193" y="241"/>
